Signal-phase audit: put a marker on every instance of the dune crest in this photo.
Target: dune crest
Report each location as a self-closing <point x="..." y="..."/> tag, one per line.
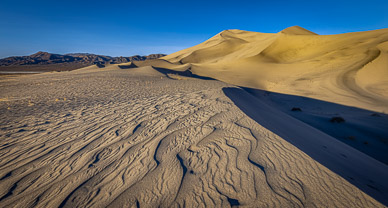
<point x="297" y="30"/>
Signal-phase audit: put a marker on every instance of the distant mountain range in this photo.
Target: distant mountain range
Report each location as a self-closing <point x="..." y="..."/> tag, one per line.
<point x="43" y="58"/>
<point x="44" y="61"/>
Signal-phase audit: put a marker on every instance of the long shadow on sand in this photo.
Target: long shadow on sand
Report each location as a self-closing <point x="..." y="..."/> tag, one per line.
<point x="186" y="73"/>
<point x="355" y="148"/>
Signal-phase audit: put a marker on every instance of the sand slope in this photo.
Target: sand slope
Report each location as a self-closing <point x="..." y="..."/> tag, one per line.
<point x="348" y="69"/>
<point x="133" y="137"/>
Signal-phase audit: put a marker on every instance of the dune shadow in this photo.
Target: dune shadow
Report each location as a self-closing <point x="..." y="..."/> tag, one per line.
<point x="362" y="129"/>
<point x="351" y="142"/>
<point x="130" y="66"/>
<point x="186" y="73"/>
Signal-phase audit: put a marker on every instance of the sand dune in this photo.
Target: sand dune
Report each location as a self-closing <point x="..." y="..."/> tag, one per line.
<point x="133" y="137"/>
<point x="348" y="69"/>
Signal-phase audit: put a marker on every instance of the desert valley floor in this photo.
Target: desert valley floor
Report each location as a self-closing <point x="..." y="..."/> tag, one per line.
<point x="140" y="138"/>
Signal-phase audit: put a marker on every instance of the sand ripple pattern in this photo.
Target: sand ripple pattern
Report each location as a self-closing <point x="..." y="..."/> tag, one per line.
<point x="171" y="148"/>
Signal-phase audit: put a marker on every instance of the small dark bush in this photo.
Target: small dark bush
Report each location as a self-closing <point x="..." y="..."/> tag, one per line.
<point x="132" y="65"/>
<point x="337" y="119"/>
<point x="351" y="138"/>
<point x="296" y="109"/>
<point x="365" y="142"/>
<point x="100" y="65"/>
<point x="375" y="115"/>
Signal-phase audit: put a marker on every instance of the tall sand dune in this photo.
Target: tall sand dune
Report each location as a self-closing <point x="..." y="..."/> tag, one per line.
<point x="348" y="69"/>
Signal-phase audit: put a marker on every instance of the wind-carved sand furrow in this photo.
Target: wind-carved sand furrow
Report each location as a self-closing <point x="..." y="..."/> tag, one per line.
<point x="347" y="79"/>
<point x="59" y="145"/>
<point x="276" y="181"/>
<point x="251" y="145"/>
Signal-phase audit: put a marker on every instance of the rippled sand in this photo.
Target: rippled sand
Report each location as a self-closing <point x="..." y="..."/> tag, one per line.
<point x="135" y="137"/>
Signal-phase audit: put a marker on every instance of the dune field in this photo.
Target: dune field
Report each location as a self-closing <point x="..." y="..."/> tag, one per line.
<point x="161" y="133"/>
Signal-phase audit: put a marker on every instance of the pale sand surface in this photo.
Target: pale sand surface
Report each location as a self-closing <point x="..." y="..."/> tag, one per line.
<point x="134" y="137"/>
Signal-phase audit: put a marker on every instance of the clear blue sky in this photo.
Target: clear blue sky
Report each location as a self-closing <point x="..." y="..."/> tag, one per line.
<point x="124" y="28"/>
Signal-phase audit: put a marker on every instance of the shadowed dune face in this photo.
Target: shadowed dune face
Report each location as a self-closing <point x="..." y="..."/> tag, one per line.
<point x="116" y="137"/>
<point x="348" y="69"/>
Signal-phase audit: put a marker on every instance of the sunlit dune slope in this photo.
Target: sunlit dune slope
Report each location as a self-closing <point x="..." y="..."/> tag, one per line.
<point x="349" y="69"/>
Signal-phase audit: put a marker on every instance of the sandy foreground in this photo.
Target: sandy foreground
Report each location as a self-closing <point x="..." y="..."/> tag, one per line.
<point x="138" y="138"/>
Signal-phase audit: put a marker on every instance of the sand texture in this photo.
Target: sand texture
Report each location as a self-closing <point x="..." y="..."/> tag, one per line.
<point x="136" y="137"/>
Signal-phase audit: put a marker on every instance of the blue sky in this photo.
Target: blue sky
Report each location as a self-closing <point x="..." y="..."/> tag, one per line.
<point x="125" y="28"/>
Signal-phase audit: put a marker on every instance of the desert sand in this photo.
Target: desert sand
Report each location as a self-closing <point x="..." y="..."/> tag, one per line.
<point x="148" y="137"/>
